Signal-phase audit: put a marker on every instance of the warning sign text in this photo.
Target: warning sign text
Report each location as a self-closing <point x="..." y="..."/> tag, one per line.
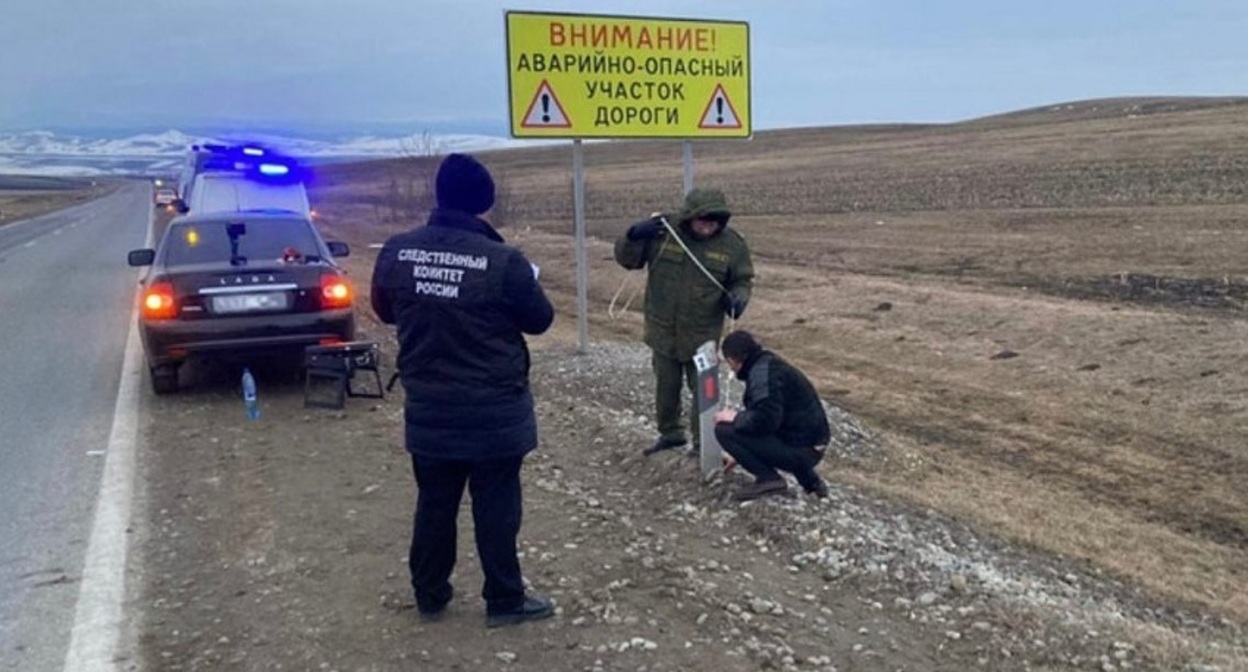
<point x="590" y="76"/>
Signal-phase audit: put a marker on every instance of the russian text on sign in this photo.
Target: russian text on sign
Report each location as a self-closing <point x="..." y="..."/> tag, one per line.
<point x="599" y="36"/>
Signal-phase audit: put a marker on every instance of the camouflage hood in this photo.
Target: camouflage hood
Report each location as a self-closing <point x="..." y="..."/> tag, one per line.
<point x="708" y="203"/>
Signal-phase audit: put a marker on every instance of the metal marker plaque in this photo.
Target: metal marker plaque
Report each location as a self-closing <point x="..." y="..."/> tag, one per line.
<point x="706" y="361"/>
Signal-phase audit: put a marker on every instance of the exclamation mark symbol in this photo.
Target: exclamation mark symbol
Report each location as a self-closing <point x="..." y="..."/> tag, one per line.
<point x="719" y="108"/>
<point x="545" y="108"/>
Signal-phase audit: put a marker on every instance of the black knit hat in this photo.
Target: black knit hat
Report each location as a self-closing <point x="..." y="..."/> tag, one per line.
<point x="464" y="184"/>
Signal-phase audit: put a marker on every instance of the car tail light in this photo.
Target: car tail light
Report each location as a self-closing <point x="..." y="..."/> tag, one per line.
<point x="335" y="292"/>
<point x="159" y="302"/>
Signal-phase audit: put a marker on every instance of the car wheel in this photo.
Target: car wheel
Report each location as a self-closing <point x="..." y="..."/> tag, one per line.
<point x="164" y="379"/>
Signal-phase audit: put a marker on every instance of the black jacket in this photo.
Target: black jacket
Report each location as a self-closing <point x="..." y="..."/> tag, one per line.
<point x="462" y="301"/>
<point x="780" y="400"/>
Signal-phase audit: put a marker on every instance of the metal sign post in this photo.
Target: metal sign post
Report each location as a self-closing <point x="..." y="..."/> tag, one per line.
<point x="687" y="160"/>
<point x="582" y="262"/>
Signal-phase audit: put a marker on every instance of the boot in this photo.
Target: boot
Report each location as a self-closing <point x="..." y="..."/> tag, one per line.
<point x="534" y="608"/>
<point x="664" y="444"/>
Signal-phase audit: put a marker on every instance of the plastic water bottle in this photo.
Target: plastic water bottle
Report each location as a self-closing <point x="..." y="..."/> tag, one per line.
<point x="249" y="395"/>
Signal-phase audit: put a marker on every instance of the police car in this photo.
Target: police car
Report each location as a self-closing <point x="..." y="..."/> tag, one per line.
<point x="240" y="285"/>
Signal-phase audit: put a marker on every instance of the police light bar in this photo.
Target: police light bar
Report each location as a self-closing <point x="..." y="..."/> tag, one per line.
<point x="274" y="169"/>
<point x="255" y="161"/>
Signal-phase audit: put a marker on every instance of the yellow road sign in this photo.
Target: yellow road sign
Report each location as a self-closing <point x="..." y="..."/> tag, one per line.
<point x="598" y="76"/>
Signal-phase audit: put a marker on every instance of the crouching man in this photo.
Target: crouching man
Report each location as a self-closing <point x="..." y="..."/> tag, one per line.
<point x="782" y="427"/>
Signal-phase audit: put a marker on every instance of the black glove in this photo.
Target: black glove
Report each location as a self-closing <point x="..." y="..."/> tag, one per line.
<point x="646" y="228"/>
<point x="733" y="306"/>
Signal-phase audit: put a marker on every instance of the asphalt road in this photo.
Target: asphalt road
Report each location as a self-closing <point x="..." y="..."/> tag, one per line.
<point x="66" y="300"/>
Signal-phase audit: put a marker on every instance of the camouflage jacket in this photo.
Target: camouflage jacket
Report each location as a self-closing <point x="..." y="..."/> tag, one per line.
<point x="684" y="309"/>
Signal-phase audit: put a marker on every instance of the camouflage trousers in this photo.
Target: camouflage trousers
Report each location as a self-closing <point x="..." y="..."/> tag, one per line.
<point x="671" y="378"/>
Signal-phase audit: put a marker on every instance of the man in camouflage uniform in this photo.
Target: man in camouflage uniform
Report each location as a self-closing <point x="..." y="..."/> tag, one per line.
<point x="684" y="307"/>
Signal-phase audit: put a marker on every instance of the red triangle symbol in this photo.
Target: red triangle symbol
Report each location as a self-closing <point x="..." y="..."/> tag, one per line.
<point x="545" y="111"/>
<point x="720" y="114"/>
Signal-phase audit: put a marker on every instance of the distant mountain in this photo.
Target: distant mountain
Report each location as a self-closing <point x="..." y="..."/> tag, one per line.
<point x="48" y="153"/>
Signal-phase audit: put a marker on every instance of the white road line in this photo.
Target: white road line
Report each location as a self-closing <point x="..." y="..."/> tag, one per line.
<point x="98" y="618"/>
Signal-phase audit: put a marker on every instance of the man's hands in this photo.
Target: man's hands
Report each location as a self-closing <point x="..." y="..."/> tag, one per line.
<point x="733" y="306"/>
<point x="647" y="228"/>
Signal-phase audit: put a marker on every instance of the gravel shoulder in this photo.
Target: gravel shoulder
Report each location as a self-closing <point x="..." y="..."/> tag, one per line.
<point x="281" y="544"/>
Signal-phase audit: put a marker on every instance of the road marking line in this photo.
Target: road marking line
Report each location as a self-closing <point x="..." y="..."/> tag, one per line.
<point x="98" y="618"/>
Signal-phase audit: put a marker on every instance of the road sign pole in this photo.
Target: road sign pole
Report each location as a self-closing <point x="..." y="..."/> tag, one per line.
<point x="582" y="262"/>
<point x="687" y="154"/>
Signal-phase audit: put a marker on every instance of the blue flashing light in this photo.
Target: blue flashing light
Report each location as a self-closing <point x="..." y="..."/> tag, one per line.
<point x="274" y="169"/>
<point x="253" y="160"/>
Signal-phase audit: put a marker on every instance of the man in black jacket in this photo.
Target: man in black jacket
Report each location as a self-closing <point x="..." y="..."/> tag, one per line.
<point x="783" y="425"/>
<point x="462" y="301"/>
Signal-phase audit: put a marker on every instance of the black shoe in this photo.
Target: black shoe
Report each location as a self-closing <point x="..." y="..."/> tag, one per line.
<point x="534" y="608"/>
<point x="431" y="612"/>
<point x="820" y="491"/>
<point x="760" y="489"/>
<point x="664" y="444"/>
<point x="432" y="616"/>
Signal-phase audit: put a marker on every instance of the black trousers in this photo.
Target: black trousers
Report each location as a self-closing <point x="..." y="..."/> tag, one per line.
<point x="496" y="512"/>
<point x="763" y="455"/>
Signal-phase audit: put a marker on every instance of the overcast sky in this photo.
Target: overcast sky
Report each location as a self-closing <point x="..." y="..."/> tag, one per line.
<point x="346" y="66"/>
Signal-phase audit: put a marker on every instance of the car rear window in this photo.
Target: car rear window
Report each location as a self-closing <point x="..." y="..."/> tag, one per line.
<point x="259" y="241"/>
<point x="233" y="193"/>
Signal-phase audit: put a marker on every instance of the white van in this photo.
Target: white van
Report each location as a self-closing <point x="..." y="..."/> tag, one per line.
<point x="234" y="192"/>
<point x="234" y="178"/>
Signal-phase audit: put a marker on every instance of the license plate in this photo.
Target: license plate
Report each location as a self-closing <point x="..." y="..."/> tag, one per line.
<point x="246" y="303"/>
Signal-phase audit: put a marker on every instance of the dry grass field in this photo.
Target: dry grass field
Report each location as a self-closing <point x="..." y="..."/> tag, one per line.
<point x="25" y="197"/>
<point x="1040" y="314"/>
